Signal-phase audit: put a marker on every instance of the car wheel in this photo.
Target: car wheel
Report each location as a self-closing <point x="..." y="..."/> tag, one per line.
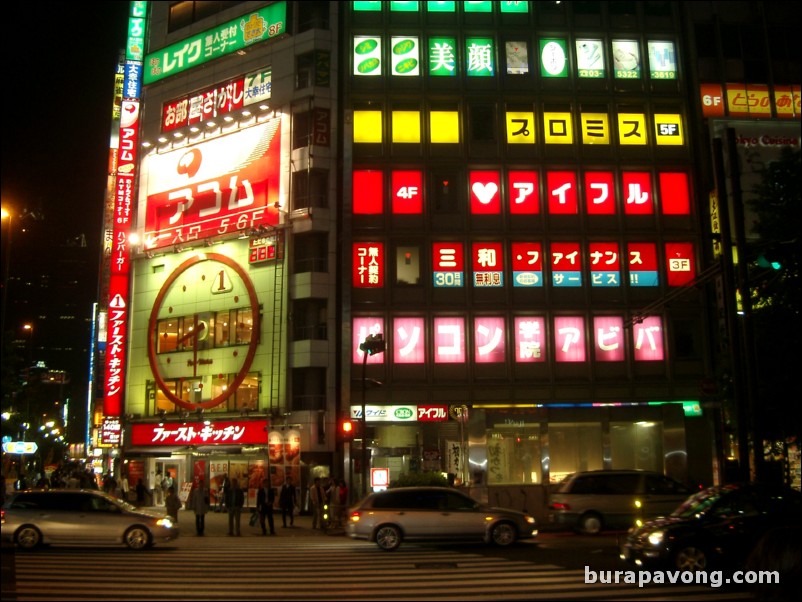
<point x="137" y="538"/>
<point x="388" y="537"/>
<point x="28" y="537"/>
<point x="590" y="523"/>
<point x="691" y="557"/>
<point x="503" y="534"/>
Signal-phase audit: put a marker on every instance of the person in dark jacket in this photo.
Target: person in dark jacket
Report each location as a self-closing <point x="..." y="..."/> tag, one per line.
<point x="265" y="498"/>
<point x="288" y="500"/>
<point x="235" y="500"/>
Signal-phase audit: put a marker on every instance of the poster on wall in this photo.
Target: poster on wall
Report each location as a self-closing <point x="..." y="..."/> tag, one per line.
<point x="257" y="470"/>
<point x="217" y="471"/>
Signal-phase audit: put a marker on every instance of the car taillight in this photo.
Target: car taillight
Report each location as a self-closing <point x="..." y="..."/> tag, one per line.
<point x="3" y="517"/>
<point x="355" y="517"/>
<point x="560" y="506"/>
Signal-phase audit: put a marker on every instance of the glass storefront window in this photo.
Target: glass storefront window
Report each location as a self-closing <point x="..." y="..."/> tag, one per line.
<point x="513" y="455"/>
<point x="247" y="396"/>
<point x="572" y="447"/>
<point x="637" y="445"/>
<point x="244" y="326"/>
<point x="222" y="332"/>
<point x="168" y="336"/>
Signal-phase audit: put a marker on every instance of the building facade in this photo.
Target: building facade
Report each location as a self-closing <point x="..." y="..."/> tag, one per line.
<point x="511" y="197"/>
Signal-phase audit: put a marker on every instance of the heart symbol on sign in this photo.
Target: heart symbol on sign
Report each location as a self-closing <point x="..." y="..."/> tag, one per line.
<point x="484" y="192"/>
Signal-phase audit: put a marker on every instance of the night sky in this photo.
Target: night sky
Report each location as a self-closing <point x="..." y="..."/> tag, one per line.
<point x="58" y="71"/>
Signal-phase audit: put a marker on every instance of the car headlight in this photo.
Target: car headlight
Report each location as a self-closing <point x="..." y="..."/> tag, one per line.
<point x="530" y="520"/>
<point x="165" y="522"/>
<point x="656" y="537"/>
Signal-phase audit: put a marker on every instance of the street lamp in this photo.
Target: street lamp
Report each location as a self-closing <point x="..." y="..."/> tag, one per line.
<point x="6" y="215"/>
<point x="372" y="345"/>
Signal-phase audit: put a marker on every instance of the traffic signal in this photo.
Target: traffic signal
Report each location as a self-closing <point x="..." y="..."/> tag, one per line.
<point x="346" y="430"/>
<point x="373" y="344"/>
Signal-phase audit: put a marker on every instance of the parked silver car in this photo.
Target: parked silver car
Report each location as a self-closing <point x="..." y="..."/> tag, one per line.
<point x="81" y="516"/>
<point x="593" y="500"/>
<point x="434" y="513"/>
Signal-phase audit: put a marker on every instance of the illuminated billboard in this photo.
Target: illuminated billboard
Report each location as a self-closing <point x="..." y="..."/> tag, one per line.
<point x="217" y="187"/>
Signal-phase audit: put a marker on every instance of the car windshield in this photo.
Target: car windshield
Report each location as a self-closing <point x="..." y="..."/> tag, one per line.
<point x="699" y="504"/>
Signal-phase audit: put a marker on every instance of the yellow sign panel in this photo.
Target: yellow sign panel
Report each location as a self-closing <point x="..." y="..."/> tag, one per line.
<point x="444" y="126"/>
<point x="595" y="128"/>
<point x="520" y="128"/>
<point x="557" y="128"/>
<point x="367" y="126"/>
<point x="406" y="126"/>
<point x="668" y="130"/>
<point x="632" y="129"/>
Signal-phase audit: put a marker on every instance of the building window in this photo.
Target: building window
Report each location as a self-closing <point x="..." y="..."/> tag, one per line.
<point x="513" y="455"/>
<point x="636" y="445"/>
<point x="184" y="14"/>
<point x="573" y="447"/>
<point x="407" y="265"/>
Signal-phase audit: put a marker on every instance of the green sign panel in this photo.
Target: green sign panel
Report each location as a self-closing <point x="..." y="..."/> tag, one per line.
<point x="367" y="6"/>
<point x="442" y="56"/>
<point x="480" y="56"/>
<point x="441" y="7"/>
<point x="222" y="40"/>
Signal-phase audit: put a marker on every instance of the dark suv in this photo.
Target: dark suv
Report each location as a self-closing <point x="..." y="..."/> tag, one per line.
<point x="613" y="499"/>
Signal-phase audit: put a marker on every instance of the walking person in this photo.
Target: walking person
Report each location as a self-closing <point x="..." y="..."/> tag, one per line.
<point x="199" y="503"/>
<point x="234" y="502"/>
<point x="156" y="490"/>
<point x="172" y="504"/>
<point x="288" y="500"/>
<point x="265" y="498"/>
<point x="317" y="500"/>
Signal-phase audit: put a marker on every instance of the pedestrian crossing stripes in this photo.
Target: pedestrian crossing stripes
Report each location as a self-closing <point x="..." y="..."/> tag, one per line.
<point x="313" y="569"/>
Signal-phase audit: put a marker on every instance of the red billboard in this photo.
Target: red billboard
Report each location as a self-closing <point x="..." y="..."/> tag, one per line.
<point x="224" y="432"/>
<point x="225" y="185"/>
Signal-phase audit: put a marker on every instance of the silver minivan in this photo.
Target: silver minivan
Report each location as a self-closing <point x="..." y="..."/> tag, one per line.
<point x="434" y="514"/>
<point x="81" y="517"/>
<point x="594" y="500"/>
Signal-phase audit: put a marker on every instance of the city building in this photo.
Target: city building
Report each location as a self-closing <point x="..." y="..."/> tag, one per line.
<point x="478" y="230"/>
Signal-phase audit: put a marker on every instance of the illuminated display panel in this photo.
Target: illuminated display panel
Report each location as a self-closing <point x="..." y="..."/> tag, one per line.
<point x="216" y="187"/>
<point x="404" y="7"/>
<point x="674" y="190"/>
<point x="367" y="55"/>
<point x="406" y="127"/>
<point x="553" y="58"/>
<point x="668" y="129"/>
<point x="442" y="56"/>
<point x="637" y="190"/>
<point x="599" y="193"/>
<point x="368" y="265"/>
<point x="566" y="264"/>
<point x="590" y="59"/>
<point x="449" y="340"/>
<point x="409" y="341"/>
<point x="449" y="264"/>
<point x="562" y="196"/>
<point x="368" y="126"/>
<point x="569" y="339"/>
<point x="642" y="264"/>
<point x="520" y="127"/>
<point x="488" y="337"/>
<point x="529" y="339"/>
<point x="626" y="59"/>
<point x="362" y="327"/>
<point x="605" y="264"/>
<point x="405" y="55"/>
<point x="523" y="193"/>
<point x="662" y="61"/>
<point x="558" y="128"/>
<point x="647" y="340"/>
<point x="608" y="338"/>
<point x="485" y="187"/>
<point x="407" y="192"/>
<point x="368" y="192"/>
<point x="527" y="264"/>
<point x="681" y="267"/>
<point x="480" y="57"/>
<point x="441" y="7"/>
<point x="632" y="129"/>
<point x="517" y="54"/>
<point x="488" y="264"/>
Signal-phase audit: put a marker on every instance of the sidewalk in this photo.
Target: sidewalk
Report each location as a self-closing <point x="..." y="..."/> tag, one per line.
<point x="217" y="525"/>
